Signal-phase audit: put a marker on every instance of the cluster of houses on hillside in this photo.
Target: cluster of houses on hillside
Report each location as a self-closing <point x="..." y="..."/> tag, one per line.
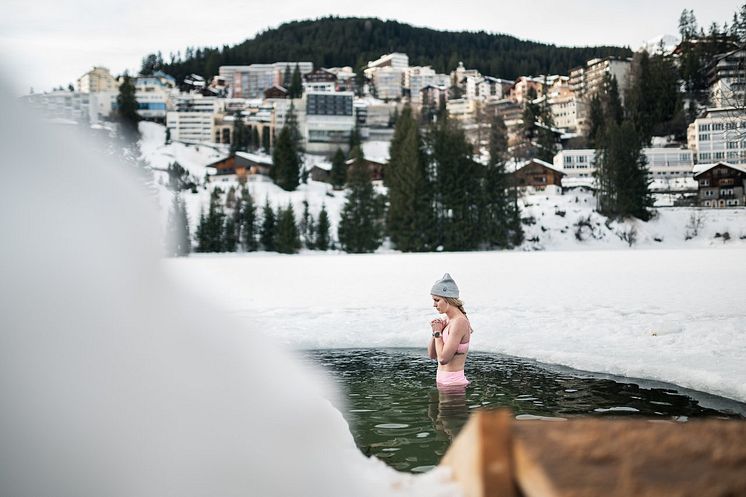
<point x="336" y="101"/>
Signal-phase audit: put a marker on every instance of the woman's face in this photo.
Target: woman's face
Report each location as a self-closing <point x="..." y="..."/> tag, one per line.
<point x="440" y="304"/>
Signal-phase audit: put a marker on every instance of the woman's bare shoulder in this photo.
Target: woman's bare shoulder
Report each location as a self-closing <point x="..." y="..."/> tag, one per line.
<point x="460" y="323"/>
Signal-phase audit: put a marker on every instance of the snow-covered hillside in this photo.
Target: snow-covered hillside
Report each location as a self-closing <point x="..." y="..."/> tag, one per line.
<point x="550" y="221"/>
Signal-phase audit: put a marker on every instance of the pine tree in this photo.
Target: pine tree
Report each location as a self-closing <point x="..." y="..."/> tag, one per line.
<point x="266" y="139"/>
<point x="546" y="142"/>
<point x="255" y="141"/>
<point x="596" y="122"/>
<point x="296" y="84"/>
<point x="355" y="139"/>
<point x="127" y="109"/>
<point x="210" y="232"/>
<point x="360" y="224"/>
<point x="285" y="169"/>
<point x="230" y="237"/>
<point x="338" y="175"/>
<point x="321" y="242"/>
<point x="248" y="222"/>
<point x="497" y="210"/>
<point x="622" y="174"/>
<point x="409" y="220"/>
<point x="178" y="241"/>
<point x="239" y="142"/>
<point x="267" y="233"/>
<point x="613" y="108"/>
<point x="458" y="185"/>
<point x="287" y="238"/>
<point x="287" y="78"/>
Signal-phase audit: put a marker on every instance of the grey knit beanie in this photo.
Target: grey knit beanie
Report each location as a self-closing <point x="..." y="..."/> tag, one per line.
<point x="445" y="287"/>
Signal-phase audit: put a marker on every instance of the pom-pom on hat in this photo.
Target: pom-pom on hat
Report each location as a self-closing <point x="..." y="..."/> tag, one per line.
<point x="445" y="287"/>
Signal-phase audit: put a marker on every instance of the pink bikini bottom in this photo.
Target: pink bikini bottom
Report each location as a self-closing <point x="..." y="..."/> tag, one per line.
<point x="451" y="378"/>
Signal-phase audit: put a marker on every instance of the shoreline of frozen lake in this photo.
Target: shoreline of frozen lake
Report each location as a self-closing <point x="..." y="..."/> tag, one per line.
<point x="674" y="316"/>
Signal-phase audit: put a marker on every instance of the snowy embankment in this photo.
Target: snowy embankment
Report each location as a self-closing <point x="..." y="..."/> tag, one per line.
<point x="550" y="221"/>
<point x="675" y="316"/>
<point x="115" y="381"/>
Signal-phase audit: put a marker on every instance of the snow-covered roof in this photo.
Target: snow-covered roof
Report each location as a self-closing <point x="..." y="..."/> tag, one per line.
<point x="258" y="158"/>
<point x="701" y="168"/>
<point x="521" y="165"/>
<point x="673" y="184"/>
<point x="377" y="150"/>
<point x="325" y="165"/>
<point x="578" y="182"/>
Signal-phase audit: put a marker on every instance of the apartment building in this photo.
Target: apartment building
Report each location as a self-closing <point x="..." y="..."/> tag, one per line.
<point x="153" y="95"/>
<point x="329" y="121"/>
<point x="194" y="119"/>
<point x="726" y="79"/>
<point x="562" y="103"/>
<point x="521" y="88"/>
<point x="719" y="135"/>
<point x="394" y="60"/>
<point x="416" y="78"/>
<point x="588" y="80"/>
<point x="663" y="162"/>
<point x="388" y="83"/>
<point x="251" y="81"/>
<point x="98" y="79"/>
<point x="73" y="106"/>
<point x="346" y="78"/>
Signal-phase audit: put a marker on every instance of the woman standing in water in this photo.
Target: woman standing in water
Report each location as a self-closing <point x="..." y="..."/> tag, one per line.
<point x="450" y="336"/>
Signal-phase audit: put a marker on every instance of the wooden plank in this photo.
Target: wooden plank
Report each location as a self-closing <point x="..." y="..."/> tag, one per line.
<point x="620" y="458"/>
<point x="495" y="455"/>
<point x="479" y="457"/>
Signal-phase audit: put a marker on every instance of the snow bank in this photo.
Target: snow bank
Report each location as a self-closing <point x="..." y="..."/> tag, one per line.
<point x="115" y="382"/>
<point x="669" y="315"/>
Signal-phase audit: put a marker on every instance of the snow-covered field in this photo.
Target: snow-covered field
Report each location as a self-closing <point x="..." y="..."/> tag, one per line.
<point x="669" y="315"/>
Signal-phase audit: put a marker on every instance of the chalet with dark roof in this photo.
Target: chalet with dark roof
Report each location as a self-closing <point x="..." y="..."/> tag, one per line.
<point x="276" y="92"/>
<point x="240" y="166"/>
<point x="537" y="175"/>
<point x="720" y="185"/>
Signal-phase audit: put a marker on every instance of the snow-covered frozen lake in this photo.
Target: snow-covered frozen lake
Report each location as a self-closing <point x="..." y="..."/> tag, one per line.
<point x="676" y="316"/>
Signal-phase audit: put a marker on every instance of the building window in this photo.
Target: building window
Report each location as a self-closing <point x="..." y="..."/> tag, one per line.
<point x="704" y="137"/>
<point x="730" y="126"/>
<point x="568" y="159"/>
<point x="709" y="193"/>
<point x="732" y="145"/>
<point x="704" y="127"/>
<point x="704" y="156"/>
<point x="704" y="182"/>
<point x="719" y="155"/>
<point x="718" y="126"/>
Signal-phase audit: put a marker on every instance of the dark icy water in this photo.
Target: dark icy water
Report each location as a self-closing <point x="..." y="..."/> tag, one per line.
<point x="396" y="413"/>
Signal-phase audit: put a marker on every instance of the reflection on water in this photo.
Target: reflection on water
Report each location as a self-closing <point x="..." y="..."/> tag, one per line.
<point x="396" y="413"/>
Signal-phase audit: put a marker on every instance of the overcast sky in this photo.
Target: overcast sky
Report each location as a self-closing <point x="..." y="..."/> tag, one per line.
<point x="46" y="43"/>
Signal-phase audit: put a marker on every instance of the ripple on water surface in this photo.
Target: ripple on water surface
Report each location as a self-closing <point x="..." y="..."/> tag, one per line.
<point x="396" y="413"/>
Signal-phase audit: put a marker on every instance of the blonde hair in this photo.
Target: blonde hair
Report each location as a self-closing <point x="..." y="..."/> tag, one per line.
<point x="456" y="303"/>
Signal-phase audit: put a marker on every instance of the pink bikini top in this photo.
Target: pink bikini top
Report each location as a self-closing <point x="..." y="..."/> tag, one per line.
<point x="463" y="347"/>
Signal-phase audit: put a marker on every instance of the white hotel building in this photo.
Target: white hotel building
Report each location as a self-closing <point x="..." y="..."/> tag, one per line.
<point x="662" y="162"/>
<point x="720" y="135"/>
<point x="194" y="119"/>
